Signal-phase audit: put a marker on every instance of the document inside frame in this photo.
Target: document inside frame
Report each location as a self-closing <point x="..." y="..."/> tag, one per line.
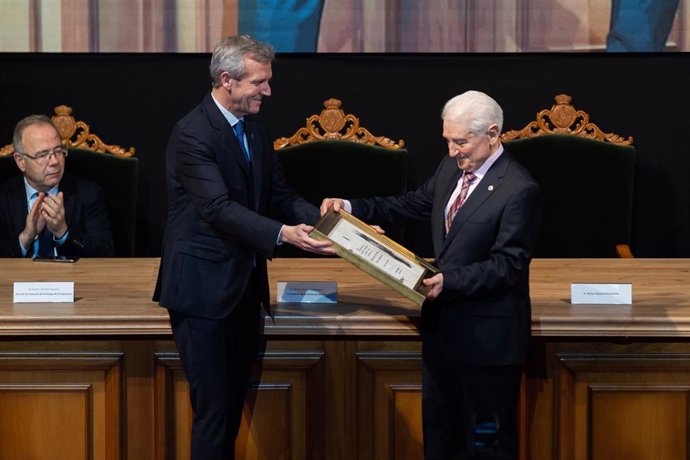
<point x="376" y="254"/>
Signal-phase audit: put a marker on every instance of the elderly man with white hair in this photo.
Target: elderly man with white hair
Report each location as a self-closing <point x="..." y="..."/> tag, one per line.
<point x="485" y="212"/>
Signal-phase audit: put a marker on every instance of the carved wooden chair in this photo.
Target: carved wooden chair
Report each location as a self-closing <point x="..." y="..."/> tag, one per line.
<point x="113" y="167"/>
<point x="334" y="155"/>
<point x="586" y="176"/>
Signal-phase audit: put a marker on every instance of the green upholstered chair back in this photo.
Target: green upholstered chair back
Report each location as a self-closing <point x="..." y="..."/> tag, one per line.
<point x="333" y="156"/>
<point x="8" y="168"/>
<point x="119" y="177"/>
<point x="586" y="178"/>
<point x="344" y="169"/>
<point x="112" y="167"/>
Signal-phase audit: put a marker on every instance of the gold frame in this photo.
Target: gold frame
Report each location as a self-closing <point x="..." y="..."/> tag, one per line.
<point x="380" y="244"/>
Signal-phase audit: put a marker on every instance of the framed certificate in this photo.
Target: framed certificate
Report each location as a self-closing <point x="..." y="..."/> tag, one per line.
<point x="376" y="254"/>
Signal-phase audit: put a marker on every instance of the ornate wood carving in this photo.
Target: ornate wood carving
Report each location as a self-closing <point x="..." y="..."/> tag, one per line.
<point x="334" y="124"/>
<point x="77" y="134"/>
<point x="564" y="119"/>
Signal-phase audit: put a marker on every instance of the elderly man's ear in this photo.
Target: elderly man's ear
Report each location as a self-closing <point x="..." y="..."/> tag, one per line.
<point x="493" y="134"/>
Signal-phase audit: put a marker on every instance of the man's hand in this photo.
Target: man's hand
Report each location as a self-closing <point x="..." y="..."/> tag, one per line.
<point x="298" y="235"/>
<point x="53" y="211"/>
<point x="35" y="223"/>
<point x="436" y="284"/>
<point x="336" y="203"/>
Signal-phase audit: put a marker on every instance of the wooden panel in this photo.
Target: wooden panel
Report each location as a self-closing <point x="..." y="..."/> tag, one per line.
<point x="265" y="433"/>
<point x="390" y="398"/>
<point x="71" y="398"/>
<point x="406" y="415"/>
<point x="639" y="423"/>
<point x="173" y="411"/>
<point x="32" y="422"/>
<point x="536" y="408"/>
<point x="640" y="388"/>
<point x="350" y="399"/>
<point x="281" y="416"/>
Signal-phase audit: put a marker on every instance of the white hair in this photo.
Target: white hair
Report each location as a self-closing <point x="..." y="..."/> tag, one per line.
<point x="474" y="110"/>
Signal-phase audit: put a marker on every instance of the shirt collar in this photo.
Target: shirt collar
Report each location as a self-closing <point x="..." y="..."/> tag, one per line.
<point x="481" y="171"/>
<point x="232" y="119"/>
<point x="30" y="191"/>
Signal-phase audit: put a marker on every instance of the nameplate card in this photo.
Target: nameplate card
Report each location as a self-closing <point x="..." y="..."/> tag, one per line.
<point x="605" y="294"/>
<point x="307" y="292"/>
<point x="39" y="292"/>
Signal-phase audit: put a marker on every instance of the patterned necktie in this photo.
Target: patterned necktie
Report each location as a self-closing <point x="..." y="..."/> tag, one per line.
<point x="239" y="133"/>
<point x="467" y="180"/>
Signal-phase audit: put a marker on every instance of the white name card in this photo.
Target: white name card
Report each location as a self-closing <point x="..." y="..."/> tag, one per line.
<point x="307" y="292"/>
<point x="33" y="292"/>
<point x="619" y="294"/>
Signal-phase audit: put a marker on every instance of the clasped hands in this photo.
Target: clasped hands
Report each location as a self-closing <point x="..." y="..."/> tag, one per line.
<point x="47" y="211"/>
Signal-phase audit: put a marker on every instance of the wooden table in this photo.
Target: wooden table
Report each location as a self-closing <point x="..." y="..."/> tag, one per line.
<point x="113" y="296"/>
<point x="340" y="381"/>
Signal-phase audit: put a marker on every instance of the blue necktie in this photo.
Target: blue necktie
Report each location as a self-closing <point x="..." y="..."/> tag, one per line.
<point x="239" y="133"/>
<point x="46" y="245"/>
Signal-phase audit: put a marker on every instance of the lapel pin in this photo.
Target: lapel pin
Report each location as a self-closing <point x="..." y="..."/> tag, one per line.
<point x="491" y="188"/>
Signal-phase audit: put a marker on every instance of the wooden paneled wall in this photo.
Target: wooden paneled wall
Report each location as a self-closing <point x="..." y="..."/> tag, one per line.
<point x="334" y="399"/>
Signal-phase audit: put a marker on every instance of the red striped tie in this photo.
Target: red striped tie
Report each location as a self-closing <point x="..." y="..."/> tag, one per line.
<point x="467" y="180"/>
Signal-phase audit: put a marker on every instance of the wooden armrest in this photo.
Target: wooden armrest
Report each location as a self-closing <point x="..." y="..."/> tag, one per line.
<point x="624" y="252"/>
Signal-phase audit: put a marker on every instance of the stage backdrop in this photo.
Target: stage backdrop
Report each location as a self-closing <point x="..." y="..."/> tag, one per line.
<point x="327" y="25"/>
<point x="135" y="99"/>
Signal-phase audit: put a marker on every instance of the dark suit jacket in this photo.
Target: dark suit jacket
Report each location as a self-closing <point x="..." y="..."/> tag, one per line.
<point x="221" y="213"/>
<point x="90" y="234"/>
<point x="483" y="313"/>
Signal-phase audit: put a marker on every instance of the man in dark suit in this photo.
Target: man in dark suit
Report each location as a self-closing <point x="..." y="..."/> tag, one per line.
<point x="225" y="192"/>
<point x="45" y="211"/>
<point x="485" y="212"/>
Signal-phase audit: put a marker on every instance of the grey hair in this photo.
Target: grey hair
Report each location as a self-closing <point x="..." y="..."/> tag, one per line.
<point x="474" y="110"/>
<point x="24" y="123"/>
<point x="228" y="56"/>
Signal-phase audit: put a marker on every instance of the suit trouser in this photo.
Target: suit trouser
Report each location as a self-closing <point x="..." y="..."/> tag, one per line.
<point x="458" y="399"/>
<point x="217" y="357"/>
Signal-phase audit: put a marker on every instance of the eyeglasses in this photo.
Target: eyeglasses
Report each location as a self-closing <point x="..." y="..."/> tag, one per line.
<point x="42" y="157"/>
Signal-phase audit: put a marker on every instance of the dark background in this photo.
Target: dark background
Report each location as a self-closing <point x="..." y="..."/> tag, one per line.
<point x="135" y="99"/>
